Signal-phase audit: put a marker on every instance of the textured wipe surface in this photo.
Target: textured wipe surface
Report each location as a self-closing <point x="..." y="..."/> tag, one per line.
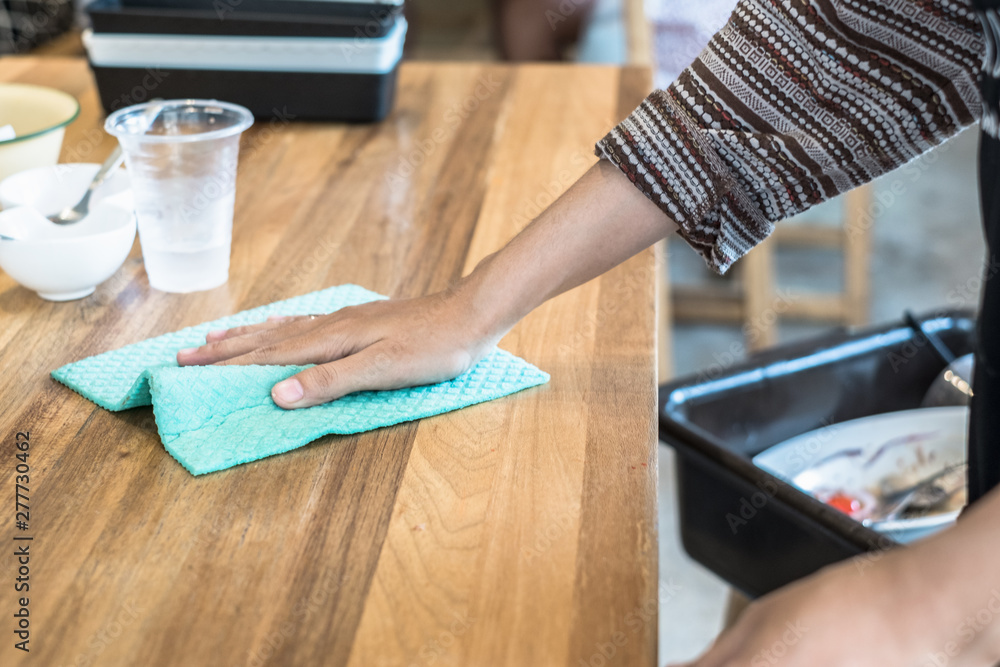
<point x="204" y="438"/>
<point x="214" y="417"/>
<point x="116" y="380"/>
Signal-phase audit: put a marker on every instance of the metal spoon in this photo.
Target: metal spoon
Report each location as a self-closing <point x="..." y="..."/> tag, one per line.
<point x="926" y="493"/>
<point x="76" y="213"/>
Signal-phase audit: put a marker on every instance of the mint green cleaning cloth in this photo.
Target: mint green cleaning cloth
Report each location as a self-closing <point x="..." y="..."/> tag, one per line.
<point x="214" y="417"/>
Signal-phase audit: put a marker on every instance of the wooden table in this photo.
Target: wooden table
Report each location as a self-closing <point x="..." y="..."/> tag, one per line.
<point x="518" y="532"/>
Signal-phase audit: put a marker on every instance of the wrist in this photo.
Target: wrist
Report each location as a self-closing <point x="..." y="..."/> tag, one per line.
<point x="490" y="305"/>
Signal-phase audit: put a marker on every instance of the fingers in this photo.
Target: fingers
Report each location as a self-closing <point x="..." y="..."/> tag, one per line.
<point x="271" y="323"/>
<point x="206" y="355"/>
<point x="255" y="338"/>
<point x="364" y="371"/>
<point x="311" y="347"/>
<point x="374" y="346"/>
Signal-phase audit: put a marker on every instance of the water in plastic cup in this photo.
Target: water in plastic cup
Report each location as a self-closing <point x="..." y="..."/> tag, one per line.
<point x="181" y="157"/>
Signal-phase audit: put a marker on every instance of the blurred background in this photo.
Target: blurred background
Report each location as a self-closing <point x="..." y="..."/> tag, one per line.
<point x="910" y="241"/>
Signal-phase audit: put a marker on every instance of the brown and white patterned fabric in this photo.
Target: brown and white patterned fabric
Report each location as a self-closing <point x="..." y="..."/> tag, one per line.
<point x="794" y="102"/>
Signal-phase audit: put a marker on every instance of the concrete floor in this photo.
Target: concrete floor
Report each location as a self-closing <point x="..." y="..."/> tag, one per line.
<point x="928" y="252"/>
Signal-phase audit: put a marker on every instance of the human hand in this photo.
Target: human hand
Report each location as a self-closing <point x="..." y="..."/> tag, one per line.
<point x="601" y="221"/>
<point x="386" y="344"/>
<point x="857" y="614"/>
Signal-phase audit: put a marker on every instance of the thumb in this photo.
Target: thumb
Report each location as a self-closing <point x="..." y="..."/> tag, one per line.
<point x="363" y="371"/>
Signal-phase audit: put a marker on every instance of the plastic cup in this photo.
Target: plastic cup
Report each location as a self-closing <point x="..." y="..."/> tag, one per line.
<point x="181" y="157"/>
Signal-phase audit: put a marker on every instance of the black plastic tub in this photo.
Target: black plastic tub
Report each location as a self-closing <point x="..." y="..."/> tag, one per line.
<point x="290" y="66"/>
<point x="358" y="8"/>
<point x="745" y="525"/>
<point x="272" y="19"/>
<point x="283" y="96"/>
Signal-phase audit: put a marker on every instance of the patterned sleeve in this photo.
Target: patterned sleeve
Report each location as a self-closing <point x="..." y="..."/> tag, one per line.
<point x="794" y="102"/>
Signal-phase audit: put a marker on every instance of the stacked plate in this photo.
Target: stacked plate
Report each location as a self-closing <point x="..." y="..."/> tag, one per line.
<point x="282" y="59"/>
<point x="878" y="468"/>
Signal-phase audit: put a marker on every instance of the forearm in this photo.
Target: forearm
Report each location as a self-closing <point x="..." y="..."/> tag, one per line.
<point x="953" y="582"/>
<point x="601" y="221"/>
<point x="935" y="603"/>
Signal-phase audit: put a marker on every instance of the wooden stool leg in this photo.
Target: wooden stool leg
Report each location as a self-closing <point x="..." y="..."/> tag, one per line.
<point x="638" y="35"/>
<point x="759" y="316"/>
<point x="758" y="304"/>
<point x="664" y="315"/>
<point x="857" y="253"/>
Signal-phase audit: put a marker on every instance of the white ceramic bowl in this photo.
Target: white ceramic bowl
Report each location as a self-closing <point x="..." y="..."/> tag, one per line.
<point x="859" y="457"/>
<point x="50" y="189"/>
<point x="66" y="262"/>
<point x="39" y="117"/>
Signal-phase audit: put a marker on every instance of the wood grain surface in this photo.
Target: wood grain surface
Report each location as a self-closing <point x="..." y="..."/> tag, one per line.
<point x="518" y="532"/>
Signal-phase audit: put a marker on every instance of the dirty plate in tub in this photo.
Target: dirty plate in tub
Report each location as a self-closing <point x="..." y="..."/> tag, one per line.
<point x="857" y="466"/>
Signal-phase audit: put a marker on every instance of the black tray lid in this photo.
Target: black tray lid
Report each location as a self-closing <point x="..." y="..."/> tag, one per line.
<point x="307" y="7"/>
<point x="248" y="18"/>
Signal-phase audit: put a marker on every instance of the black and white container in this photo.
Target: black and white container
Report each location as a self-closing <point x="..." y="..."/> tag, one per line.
<point x="313" y="59"/>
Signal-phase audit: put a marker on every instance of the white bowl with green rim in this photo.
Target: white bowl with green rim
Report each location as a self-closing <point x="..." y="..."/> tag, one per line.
<point x="39" y="116"/>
